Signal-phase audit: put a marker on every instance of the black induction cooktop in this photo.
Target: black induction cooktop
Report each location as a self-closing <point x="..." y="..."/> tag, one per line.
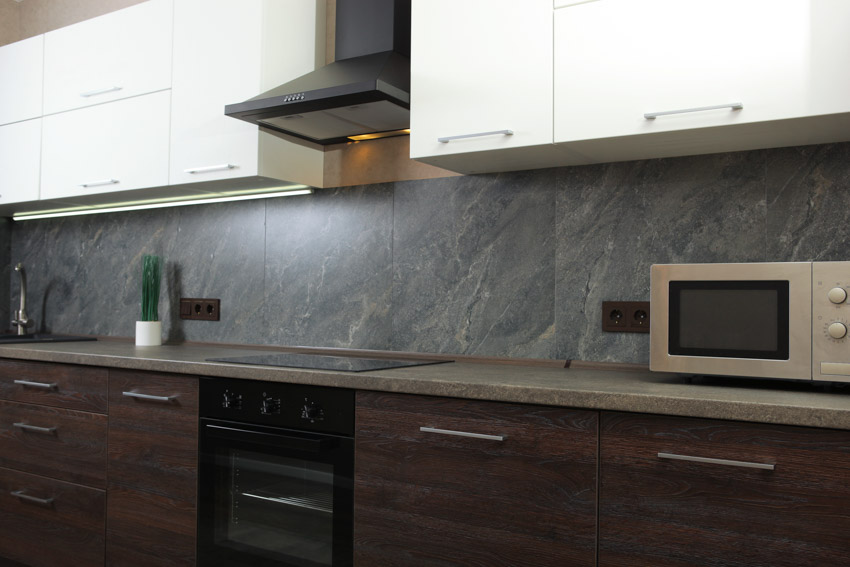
<point x="324" y="362"/>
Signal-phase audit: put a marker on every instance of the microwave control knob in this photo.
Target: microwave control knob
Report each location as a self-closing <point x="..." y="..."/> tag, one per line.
<point x="837" y="295"/>
<point x="837" y="330"/>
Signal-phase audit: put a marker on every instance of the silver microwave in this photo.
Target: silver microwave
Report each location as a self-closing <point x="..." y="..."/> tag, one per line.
<point x="772" y="320"/>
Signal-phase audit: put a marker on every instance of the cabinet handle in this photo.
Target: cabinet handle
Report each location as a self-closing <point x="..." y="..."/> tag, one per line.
<point x="731" y="105"/>
<point x="22" y="495"/>
<point x="462" y="434"/>
<point x="745" y="464"/>
<point x="447" y="139"/>
<point x="210" y="168"/>
<point x="100" y="91"/>
<point x="34" y="428"/>
<point x="149" y="397"/>
<point x="99" y="182"/>
<point x="42" y="385"/>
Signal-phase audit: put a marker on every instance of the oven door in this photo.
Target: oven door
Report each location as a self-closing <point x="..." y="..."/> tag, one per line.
<point x="274" y="497"/>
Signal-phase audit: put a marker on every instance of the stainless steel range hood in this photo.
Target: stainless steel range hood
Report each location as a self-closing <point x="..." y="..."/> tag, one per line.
<point x="365" y="91"/>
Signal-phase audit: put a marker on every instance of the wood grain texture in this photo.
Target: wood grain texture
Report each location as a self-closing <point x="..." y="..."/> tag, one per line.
<point x="67" y="533"/>
<point x="77" y="387"/>
<point x="663" y="513"/>
<point x="432" y="500"/>
<point x="74" y="452"/>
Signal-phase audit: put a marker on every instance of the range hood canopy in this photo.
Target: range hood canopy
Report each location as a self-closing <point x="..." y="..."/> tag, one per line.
<point x="366" y="90"/>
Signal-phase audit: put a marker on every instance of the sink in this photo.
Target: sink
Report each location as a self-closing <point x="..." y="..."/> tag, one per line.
<point x="7" y="339"/>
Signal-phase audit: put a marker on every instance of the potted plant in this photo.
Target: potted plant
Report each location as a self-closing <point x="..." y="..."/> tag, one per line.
<point x="149" y="329"/>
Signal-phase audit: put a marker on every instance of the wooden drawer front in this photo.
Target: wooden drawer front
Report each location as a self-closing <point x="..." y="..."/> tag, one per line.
<point x="423" y="499"/>
<point x="54" y="442"/>
<point x="662" y="512"/>
<point x="61" y="385"/>
<point x="153" y="445"/>
<point x="66" y="531"/>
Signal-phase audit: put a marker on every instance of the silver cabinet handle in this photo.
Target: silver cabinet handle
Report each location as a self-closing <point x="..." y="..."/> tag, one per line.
<point x="100" y="91"/>
<point x="731" y="105"/>
<point x="22" y="495"/>
<point x="745" y="464"/>
<point x="447" y="139"/>
<point x="462" y="433"/>
<point x="99" y="182"/>
<point x="210" y="168"/>
<point x="36" y="429"/>
<point x="149" y="397"/>
<point x="42" y="385"/>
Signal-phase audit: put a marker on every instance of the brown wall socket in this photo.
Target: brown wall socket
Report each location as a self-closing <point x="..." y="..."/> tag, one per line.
<point x="200" y="309"/>
<point x="625" y="316"/>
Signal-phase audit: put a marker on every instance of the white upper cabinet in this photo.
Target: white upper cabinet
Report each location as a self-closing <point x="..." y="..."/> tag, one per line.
<point x="481" y="81"/>
<point x="115" y="56"/>
<point x="20" y="159"/>
<point x="21" y="72"/>
<point x="225" y="52"/>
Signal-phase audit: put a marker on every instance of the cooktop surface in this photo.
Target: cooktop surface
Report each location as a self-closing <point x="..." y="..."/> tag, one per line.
<point x="324" y="362"/>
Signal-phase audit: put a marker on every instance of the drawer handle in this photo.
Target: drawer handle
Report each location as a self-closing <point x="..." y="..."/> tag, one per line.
<point x="149" y="397"/>
<point x="41" y="385"/>
<point x="732" y="105"/>
<point x="100" y="91"/>
<point x="35" y="428"/>
<point x="447" y="139"/>
<point x="22" y="495"/>
<point x="462" y="434"/>
<point x="728" y="463"/>
<point x="98" y="183"/>
<point x="210" y="168"/>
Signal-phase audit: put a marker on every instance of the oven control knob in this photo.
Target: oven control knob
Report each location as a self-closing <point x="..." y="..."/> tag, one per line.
<point x="837" y="295"/>
<point x="231" y="401"/>
<point x="837" y="330"/>
<point x="312" y="411"/>
<point x="270" y="406"/>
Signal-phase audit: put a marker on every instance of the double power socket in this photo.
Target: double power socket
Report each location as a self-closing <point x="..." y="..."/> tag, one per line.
<point x="625" y="316"/>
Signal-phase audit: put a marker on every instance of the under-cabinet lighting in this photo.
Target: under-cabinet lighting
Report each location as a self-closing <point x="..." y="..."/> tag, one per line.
<point x="160" y="203"/>
<point x="389" y="134"/>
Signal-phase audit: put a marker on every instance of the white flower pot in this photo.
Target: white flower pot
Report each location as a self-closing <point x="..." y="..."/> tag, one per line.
<point x="148" y="333"/>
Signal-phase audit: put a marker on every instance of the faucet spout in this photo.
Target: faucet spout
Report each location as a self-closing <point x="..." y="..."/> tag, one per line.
<point x="21" y="320"/>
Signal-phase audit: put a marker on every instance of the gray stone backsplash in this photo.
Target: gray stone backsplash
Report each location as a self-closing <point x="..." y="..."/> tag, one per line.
<point x="512" y="264"/>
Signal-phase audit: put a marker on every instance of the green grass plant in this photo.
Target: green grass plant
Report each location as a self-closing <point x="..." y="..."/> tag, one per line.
<point x="151" y="278"/>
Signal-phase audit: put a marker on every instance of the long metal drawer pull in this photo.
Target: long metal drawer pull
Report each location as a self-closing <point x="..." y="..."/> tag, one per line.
<point x="210" y="168"/>
<point x="732" y="105"/>
<point x="744" y="464"/>
<point x="447" y="139"/>
<point x="462" y="433"/>
<point x="42" y="385"/>
<point x="99" y="182"/>
<point x="100" y="91"/>
<point x="149" y="397"/>
<point x="35" y="428"/>
<point x="24" y="496"/>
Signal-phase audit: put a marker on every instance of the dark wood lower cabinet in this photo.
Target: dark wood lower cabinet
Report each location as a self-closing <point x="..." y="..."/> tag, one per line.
<point x="668" y="512"/>
<point x="427" y="499"/>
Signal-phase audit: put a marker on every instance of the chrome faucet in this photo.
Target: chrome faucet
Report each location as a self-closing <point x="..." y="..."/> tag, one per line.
<point x="21" y="319"/>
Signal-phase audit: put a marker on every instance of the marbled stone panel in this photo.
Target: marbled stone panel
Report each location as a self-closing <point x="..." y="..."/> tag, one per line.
<point x="473" y="265"/>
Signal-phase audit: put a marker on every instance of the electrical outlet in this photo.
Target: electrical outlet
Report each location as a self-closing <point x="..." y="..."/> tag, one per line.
<point x="625" y="316"/>
<point x="200" y="309"/>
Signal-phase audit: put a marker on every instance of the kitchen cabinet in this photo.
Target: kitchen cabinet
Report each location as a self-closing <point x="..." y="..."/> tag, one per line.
<point x="21" y="72"/>
<point x="481" y="84"/>
<point x="20" y="161"/>
<point x="489" y="484"/>
<point x="227" y="51"/>
<point x="696" y="492"/>
<point x="152" y="469"/>
<point x="119" y="55"/>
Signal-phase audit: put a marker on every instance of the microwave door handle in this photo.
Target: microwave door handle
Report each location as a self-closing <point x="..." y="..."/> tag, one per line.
<point x="280" y="440"/>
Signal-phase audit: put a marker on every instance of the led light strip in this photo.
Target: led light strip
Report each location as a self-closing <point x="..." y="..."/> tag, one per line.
<point x="155" y="205"/>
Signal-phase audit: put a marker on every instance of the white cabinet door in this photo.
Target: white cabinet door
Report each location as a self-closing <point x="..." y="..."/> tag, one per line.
<point x="21" y="72"/>
<point x="110" y="147"/>
<point x="480" y="68"/>
<point x="118" y="55"/>
<point x="20" y="156"/>
<point x="618" y="60"/>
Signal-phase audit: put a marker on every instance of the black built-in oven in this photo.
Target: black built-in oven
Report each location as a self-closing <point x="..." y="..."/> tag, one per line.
<point x="276" y="470"/>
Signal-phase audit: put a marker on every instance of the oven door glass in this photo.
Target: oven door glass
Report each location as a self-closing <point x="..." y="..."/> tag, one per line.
<point x="273" y="497"/>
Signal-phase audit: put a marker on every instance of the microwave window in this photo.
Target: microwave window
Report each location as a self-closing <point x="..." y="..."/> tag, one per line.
<point x="729" y="319"/>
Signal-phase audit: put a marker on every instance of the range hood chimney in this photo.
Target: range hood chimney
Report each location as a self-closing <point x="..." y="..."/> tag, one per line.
<point x="364" y="92"/>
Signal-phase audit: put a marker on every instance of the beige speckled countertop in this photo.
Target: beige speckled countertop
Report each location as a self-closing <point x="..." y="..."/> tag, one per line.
<point x="768" y="401"/>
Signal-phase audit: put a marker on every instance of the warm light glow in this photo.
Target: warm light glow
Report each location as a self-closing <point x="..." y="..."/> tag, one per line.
<point x="362" y="137"/>
<point x="159" y="204"/>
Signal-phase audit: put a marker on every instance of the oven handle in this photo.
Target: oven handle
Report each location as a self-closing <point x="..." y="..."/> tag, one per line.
<point x="312" y="445"/>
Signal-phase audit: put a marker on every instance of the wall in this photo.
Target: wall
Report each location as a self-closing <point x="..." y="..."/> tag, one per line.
<point x="513" y="264"/>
